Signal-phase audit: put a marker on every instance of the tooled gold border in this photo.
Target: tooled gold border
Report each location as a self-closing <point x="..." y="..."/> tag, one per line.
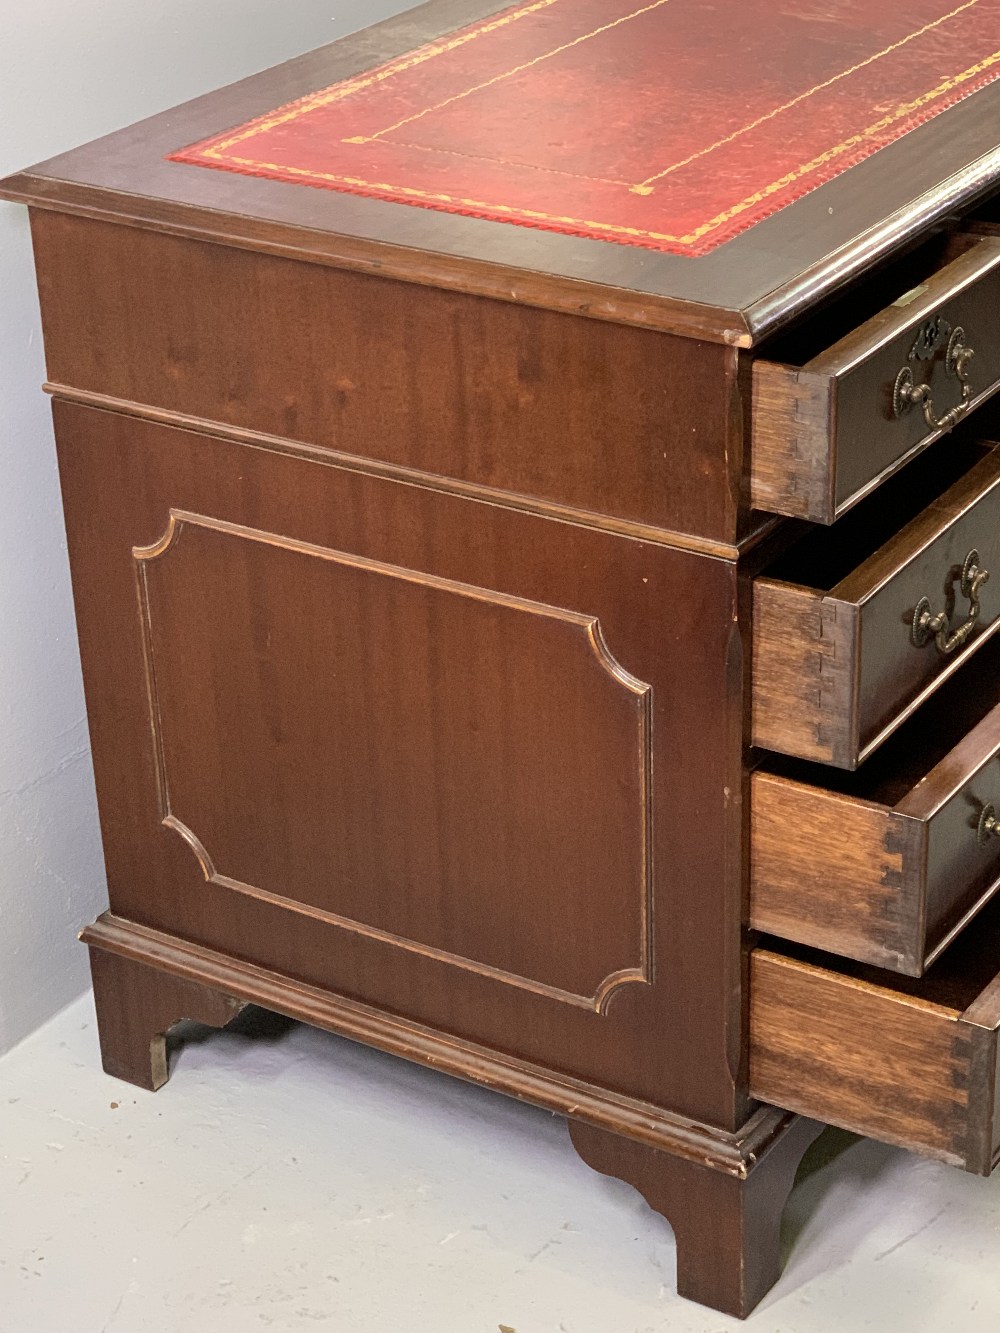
<point x="218" y="150"/>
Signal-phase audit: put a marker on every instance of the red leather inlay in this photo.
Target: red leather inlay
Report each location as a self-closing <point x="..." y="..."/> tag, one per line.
<point x="670" y="124"/>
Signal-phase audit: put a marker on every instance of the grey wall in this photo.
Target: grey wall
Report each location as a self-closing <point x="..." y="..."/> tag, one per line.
<point x="71" y="70"/>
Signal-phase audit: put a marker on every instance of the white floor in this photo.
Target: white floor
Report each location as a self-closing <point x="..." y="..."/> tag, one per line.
<point x="288" y="1180"/>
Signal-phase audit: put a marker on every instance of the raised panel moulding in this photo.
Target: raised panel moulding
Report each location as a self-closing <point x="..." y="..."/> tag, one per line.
<point x="462" y="717"/>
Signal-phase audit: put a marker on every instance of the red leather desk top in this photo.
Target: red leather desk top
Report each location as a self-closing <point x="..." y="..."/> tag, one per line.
<point x="670" y="124"/>
<point x="601" y="107"/>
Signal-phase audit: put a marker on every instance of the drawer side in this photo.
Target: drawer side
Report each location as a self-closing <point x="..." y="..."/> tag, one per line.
<point x="792" y="467"/>
<point x="869" y="1059"/>
<point x="803" y="673"/>
<point x="836" y="873"/>
<point x="983" y="1020"/>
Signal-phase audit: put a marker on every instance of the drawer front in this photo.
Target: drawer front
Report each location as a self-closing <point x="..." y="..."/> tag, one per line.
<point x="913" y="1065"/>
<point x="837" y="670"/>
<point x="889" y="865"/>
<point x="827" y="432"/>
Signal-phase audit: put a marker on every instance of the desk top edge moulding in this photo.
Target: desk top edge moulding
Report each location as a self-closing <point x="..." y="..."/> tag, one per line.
<point x="531" y="477"/>
<point x="780" y="194"/>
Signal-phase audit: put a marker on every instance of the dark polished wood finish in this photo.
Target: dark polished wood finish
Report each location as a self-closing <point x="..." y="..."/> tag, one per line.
<point x="428" y="624"/>
<point x="501" y="653"/>
<point x="137" y="1006"/>
<point x="730" y="1153"/>
<point x="727" y="1227"/>
<point x="723" y="1193"/>
<point x="342" y="361"/>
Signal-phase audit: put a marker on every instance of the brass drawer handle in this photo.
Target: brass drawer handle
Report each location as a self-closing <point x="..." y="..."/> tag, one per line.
<point x="907" y="393"/>
<point x="989" y="825"/>
<point x="927" y="626"/>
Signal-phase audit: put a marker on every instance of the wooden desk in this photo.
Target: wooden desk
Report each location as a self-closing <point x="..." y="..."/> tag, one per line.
<point x="509" y="648"/>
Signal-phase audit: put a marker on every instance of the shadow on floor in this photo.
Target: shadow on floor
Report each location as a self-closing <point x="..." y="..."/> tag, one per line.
<point x="250" y="1024"/>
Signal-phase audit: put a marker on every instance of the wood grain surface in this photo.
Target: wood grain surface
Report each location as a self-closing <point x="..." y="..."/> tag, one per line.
<point x="168" y="978"/>
<point x="885" y="864"/>
<point x="335" y="653"/>
<point x="400" y="732"/>
<point x="893" y="1066"/>
<point x="728" y="1231"/>
<point x="722" y="1193"/>
<point x="792" y="458"/>
<point x="138" y="1007"/>
<point x="837" y="872"/>
<point x="632" y="424"/>
<point x="804" y="653"/>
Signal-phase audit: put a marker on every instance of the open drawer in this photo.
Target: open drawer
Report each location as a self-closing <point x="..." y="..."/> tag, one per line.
<point x="854" y="626"/>
<point x="833" y="415"/>
<point x="887" y="864"/>
<point x="909" y="1062"/>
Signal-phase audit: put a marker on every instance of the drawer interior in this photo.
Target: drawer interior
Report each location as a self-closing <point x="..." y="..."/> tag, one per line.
<point x="823" y="557"/>
<point x="988" y="213"/>
<point x="920" y="744"/>
<point x="953" y="985"/>
<point x="887" y="288"/>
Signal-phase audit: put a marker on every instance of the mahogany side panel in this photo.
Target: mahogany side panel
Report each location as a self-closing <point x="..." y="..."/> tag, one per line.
<point x="602" y="418"/>
<point x="311" y="652"/>
<point x="390" y="753"/>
